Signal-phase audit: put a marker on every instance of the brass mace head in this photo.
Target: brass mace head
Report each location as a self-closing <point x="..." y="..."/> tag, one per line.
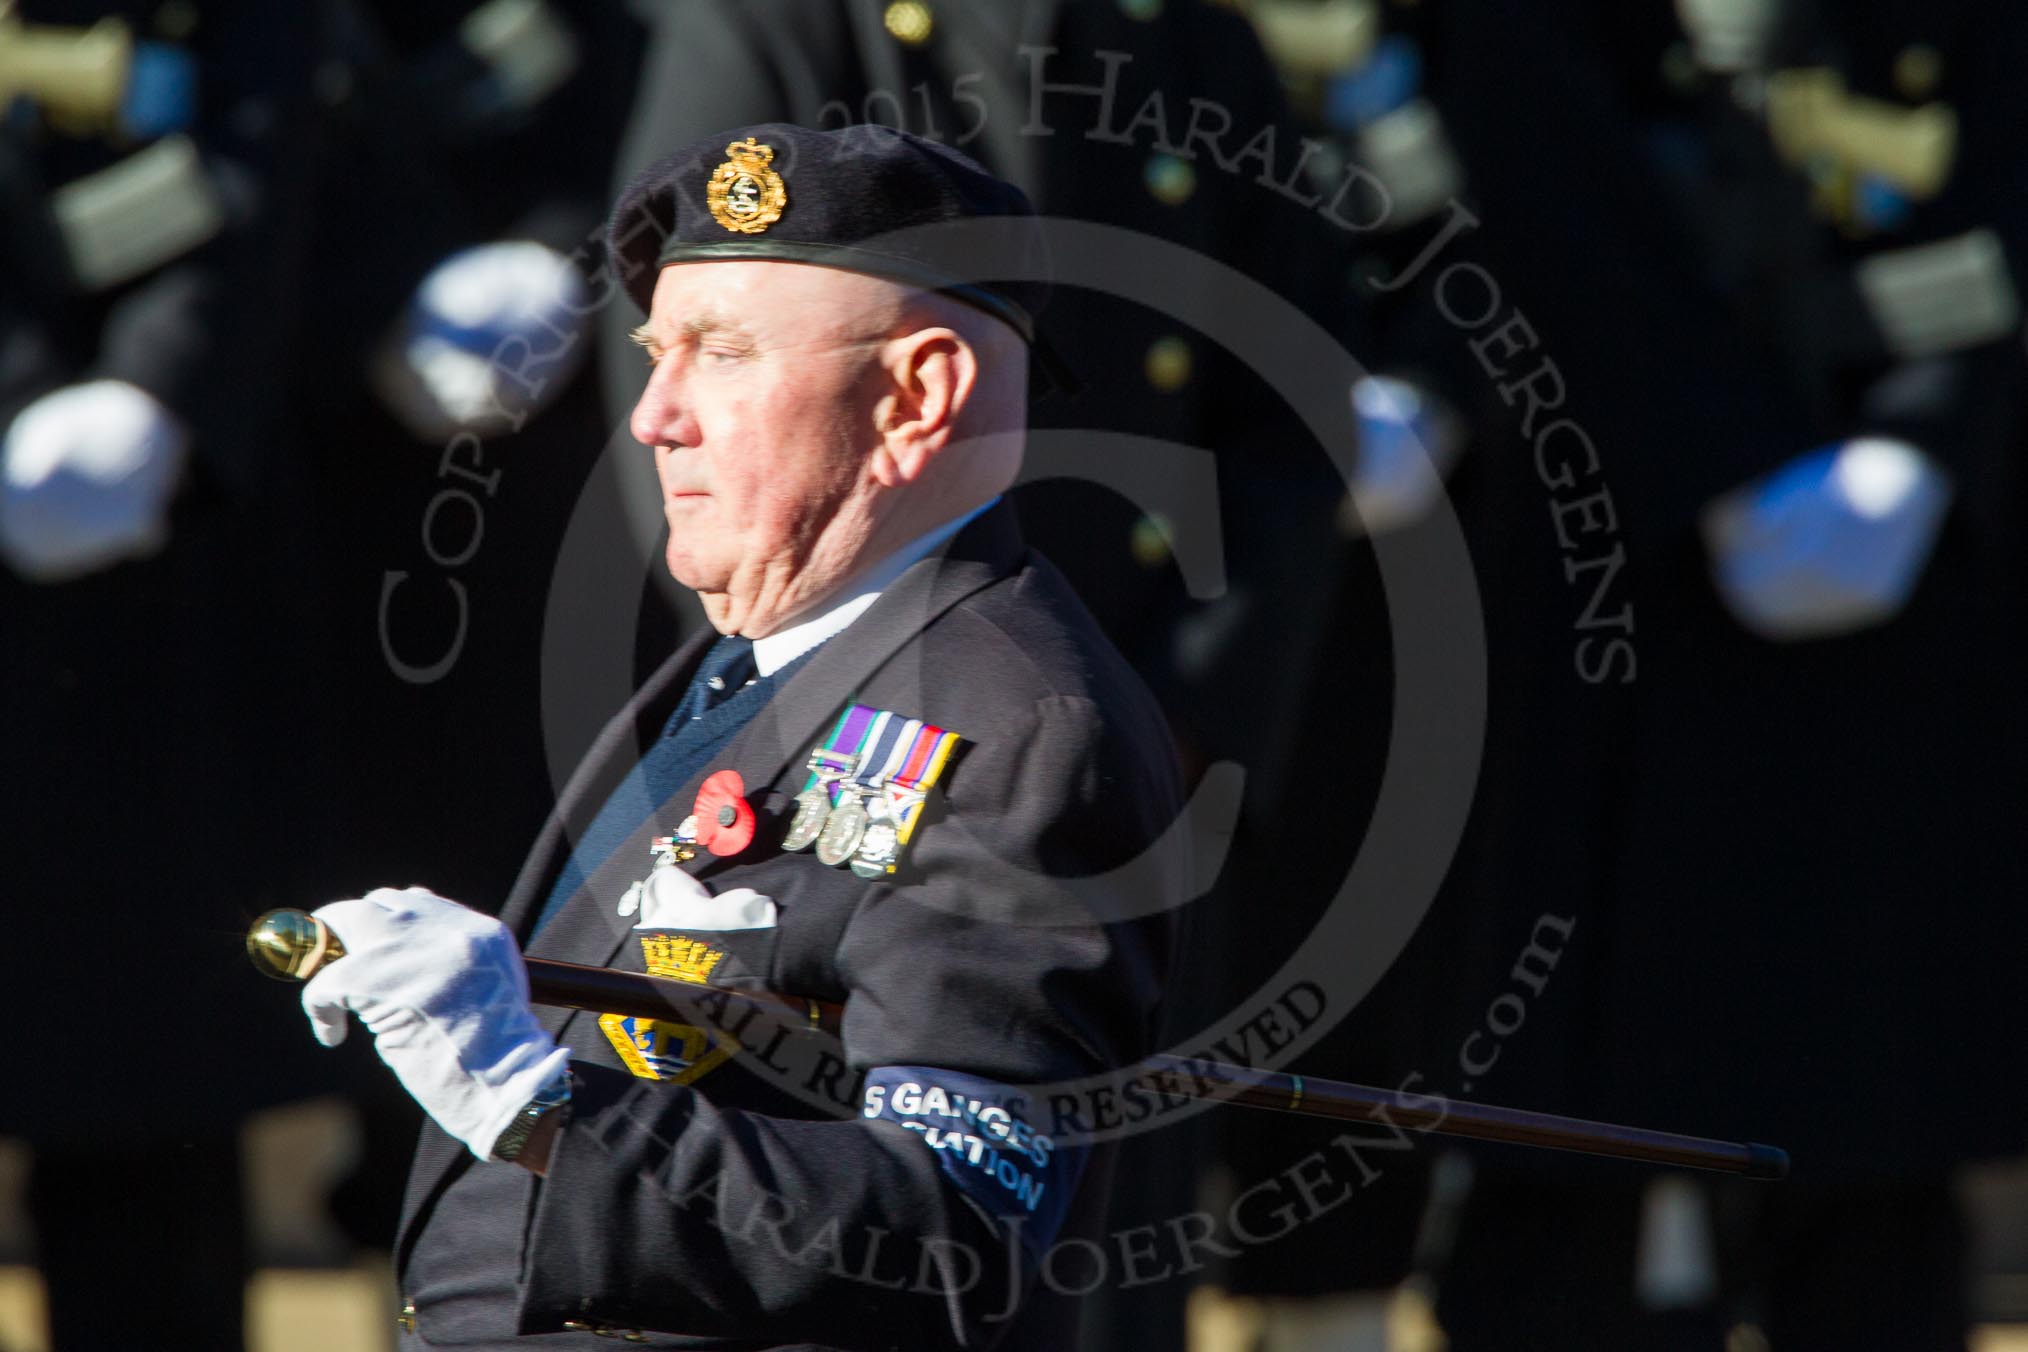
<point x="290" y="945"/>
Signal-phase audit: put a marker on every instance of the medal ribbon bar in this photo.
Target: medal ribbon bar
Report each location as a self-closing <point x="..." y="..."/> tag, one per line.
<point x="832" y="762"/>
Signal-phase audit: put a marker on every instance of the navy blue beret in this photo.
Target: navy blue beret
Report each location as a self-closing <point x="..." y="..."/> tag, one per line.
<point x="799" y="195"/>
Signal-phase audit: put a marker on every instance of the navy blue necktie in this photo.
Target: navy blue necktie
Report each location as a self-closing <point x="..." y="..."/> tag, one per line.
<point x="726" y="669"/>
<point x="722" y="698"/>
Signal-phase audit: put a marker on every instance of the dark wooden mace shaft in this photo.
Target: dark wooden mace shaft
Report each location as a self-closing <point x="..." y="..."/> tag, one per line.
<point x="1310" y="1097"/>
<point x="606" y="991"/>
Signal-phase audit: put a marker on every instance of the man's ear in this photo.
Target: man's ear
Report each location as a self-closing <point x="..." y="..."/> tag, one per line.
<point x="931" y="375"/>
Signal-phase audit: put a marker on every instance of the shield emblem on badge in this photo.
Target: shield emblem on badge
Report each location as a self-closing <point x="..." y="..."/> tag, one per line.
<point x="743" y="197"/>
<point x="675" y="1053"/>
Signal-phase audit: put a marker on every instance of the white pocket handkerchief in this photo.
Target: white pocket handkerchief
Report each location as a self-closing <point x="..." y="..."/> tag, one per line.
<point x="672" y="899"/>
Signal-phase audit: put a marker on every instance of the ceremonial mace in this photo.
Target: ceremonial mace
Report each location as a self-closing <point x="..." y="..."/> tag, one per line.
<point x="292" y="945"/>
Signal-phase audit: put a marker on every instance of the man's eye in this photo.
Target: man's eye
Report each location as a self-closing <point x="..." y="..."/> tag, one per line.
<point x="718" y="356"/>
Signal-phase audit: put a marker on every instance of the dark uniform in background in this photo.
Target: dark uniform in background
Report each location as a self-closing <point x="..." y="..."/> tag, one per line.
<point x="222" y="728"/>
<point x="429" y="624"/>
<point x="1789" y="864"/>
<point x="151" y="795"/>
<point x="432" y="548"/>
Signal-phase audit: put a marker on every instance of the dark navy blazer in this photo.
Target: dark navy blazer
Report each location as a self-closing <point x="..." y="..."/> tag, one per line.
<point x="1022" y="944"/>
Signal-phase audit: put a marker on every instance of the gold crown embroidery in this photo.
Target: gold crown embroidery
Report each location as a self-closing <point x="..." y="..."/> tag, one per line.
<point x="745" y="195"/>
<point x="684" y="959"/>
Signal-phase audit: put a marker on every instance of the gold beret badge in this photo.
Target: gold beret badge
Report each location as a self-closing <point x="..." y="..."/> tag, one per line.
<point x="744" y="194"/>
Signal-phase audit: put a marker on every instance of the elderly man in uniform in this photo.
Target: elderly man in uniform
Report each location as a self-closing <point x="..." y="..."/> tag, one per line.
<point x="908" y="774"/>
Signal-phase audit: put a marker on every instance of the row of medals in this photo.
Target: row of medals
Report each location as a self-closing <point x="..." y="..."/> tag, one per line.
<point x="863" y="827"/>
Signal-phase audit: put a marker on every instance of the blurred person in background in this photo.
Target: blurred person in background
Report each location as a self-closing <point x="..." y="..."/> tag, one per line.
<point x="153" y="181"/>
<point x="448" y="421"/>
<point x="260" y="269"/>
<point x="1739" y="290"/>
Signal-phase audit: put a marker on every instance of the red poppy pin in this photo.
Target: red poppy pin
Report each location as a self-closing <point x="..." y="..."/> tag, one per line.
<point x="725" y="820"/>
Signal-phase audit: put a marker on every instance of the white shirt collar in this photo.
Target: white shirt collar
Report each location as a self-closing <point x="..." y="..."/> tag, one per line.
<point x="784" y="646"/>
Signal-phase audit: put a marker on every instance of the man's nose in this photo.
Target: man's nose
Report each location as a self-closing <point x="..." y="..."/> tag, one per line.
<point x="662" y="416"/>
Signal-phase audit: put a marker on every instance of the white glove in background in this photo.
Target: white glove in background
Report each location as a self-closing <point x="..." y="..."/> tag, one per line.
<point x="1831" y="542"/>
<point x="86" y="476"/>
<point x="1407" y="443"/>
<point x="444" y="993"/>
<point x="491" y="337"/>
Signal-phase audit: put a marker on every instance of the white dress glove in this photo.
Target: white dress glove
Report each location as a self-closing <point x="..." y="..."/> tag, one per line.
<point x="1407" y="443"/>
<point x="491" y="337"/>
<point x="1831" y="542"/>
<point x="443" y="991"/>
<point x="86" y="475"/>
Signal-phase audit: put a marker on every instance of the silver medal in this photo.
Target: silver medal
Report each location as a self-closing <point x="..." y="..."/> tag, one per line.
<point x="812" y="806"/>
<point x="842" y="830"/>
<point x="877" y="848"/>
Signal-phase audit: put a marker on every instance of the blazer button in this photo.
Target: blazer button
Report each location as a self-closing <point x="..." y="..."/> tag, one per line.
<point x="405" y="1321"/>
<point x="577" y="1326"/>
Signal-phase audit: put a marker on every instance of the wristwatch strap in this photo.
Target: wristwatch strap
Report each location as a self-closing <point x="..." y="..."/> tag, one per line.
<point x="507" y="1148"/>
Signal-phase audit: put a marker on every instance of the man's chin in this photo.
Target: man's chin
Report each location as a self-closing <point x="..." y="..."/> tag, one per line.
<point x="691" y="572"/>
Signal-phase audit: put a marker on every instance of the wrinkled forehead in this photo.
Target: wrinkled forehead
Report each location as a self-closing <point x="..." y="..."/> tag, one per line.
<point x="773" y="295"/>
